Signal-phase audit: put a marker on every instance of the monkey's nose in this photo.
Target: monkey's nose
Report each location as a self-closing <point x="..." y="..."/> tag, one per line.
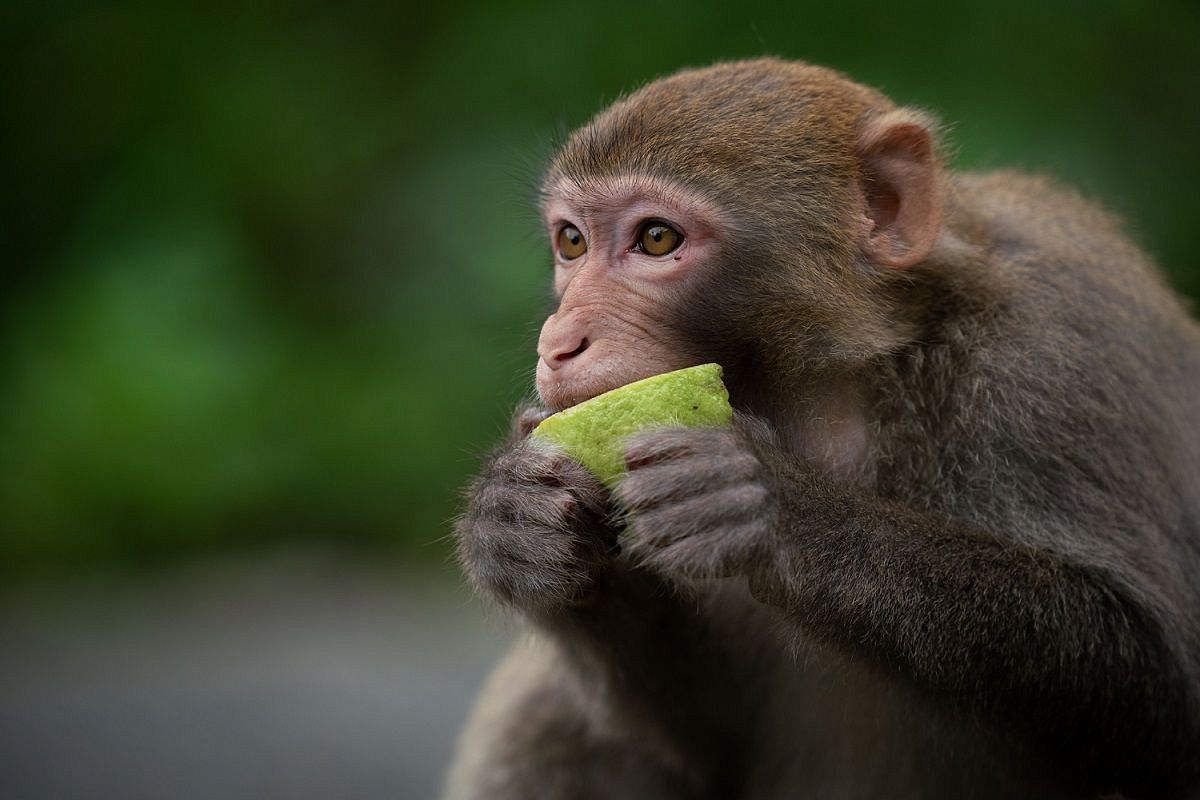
<point x="556" y="354"/>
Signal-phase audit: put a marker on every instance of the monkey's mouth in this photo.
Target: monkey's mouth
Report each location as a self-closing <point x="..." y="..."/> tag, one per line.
<point x="557" y="394"/>
<point x="595" y="372"/>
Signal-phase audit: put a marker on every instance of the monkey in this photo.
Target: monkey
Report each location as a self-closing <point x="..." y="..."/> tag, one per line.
<point x="950" y="545"/>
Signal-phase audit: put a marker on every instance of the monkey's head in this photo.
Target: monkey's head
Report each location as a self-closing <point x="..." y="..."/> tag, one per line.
<point x="761" y="214"/>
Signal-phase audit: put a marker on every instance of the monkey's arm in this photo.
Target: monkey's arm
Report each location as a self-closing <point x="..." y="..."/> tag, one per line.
<point x="1055" y="647"/>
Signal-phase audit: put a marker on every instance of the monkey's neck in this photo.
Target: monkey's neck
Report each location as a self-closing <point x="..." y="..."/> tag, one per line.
<point x="827" y="426"/>
<point x="834" y="435"/>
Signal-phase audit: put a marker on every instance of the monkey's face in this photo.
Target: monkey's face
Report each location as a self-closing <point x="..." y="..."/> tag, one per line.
<point x="626" y="250"/>
<point x="758" y="215"/>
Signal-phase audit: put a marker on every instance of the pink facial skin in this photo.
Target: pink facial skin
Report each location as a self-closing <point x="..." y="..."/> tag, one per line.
<point x="610" y="328"/>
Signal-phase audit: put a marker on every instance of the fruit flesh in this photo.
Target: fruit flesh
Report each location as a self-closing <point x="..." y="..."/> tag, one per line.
<point x="594" y="431"/>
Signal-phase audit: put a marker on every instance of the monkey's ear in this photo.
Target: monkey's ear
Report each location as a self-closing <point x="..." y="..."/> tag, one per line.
<point x="900" y="186"/>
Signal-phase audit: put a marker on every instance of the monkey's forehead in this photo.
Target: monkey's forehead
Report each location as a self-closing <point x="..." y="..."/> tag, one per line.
<point x="737" y="117"/>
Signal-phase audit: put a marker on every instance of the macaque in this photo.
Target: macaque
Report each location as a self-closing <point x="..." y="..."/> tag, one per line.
<point x="950" y="546"/>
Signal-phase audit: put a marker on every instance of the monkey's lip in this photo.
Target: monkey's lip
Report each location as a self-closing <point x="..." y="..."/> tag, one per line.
<point x="573" y="384"/>
<point x="559" y="394"/>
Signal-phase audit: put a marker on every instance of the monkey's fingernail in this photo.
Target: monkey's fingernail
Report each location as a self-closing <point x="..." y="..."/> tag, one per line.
<point x="531" y="419"/>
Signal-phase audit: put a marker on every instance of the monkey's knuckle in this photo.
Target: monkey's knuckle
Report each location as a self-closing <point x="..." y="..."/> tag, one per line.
<point x="583" y="485"/>
<point x="592" y="498"/>
<point x="500" y="511"/>
<point x="554" y="462"/>
<point x="536" y="461"/>
<point x="549" y="465"/>
<point x="548" y="508"/>
<point x="649" y="447"/>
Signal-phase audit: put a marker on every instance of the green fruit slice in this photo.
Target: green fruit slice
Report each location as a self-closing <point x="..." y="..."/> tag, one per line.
<point x="594" y="431"/>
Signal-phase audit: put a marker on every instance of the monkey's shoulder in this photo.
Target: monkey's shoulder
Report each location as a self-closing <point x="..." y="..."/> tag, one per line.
<point x="1030" y="198"/>
<point x="1038" y="221"/>
<point x="1063" y="261"/>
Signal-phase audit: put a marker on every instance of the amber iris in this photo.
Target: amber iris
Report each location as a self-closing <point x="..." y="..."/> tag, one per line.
<point x="571" y="243"/>
<point x="658" y="238"/>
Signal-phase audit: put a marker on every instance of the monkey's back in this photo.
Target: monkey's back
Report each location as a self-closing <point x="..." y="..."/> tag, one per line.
<point x="1074" y="312"/>
<point x="1081" y="312"/>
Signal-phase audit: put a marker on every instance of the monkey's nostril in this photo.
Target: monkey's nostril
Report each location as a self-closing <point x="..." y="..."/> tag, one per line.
<point x="583" y="345"/>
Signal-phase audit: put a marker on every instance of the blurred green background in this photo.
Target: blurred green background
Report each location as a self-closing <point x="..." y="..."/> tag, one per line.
<point x="271" y="272"/>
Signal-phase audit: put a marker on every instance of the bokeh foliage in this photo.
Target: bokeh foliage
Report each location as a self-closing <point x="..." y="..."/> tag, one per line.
<point x="271" y="271"/>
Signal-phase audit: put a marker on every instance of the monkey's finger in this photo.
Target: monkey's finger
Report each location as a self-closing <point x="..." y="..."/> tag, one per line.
<point x="659" y="444"/>
<point x="548" y="508"/>
<point x="527" y="418"/>
<point x="720" y="554"/>
<point x="542" y="463"/>
<point x="728" y="507"/>
<point x="659" y="482"/>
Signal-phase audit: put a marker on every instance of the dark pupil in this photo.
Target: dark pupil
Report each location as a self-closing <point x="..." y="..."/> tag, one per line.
<point x="657" y="233"/>
<point x="573" y="237"/>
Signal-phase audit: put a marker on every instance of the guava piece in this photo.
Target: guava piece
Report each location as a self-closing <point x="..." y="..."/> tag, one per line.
<point x="594" y="431"/>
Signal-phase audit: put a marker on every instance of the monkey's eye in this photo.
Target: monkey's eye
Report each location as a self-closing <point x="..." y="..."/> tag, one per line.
<point x="658" y="239"/>
<point x="571" y="243"/>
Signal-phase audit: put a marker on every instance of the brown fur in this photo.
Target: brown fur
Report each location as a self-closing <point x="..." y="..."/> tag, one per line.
<point x="951" y="547"/>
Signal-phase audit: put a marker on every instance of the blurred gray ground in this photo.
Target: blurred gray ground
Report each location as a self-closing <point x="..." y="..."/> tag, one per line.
<point x="285" y="676"/>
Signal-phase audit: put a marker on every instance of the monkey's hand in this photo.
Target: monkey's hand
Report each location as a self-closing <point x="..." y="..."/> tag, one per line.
<point x="534" y="534"/>
<point x="698" y="502"/>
